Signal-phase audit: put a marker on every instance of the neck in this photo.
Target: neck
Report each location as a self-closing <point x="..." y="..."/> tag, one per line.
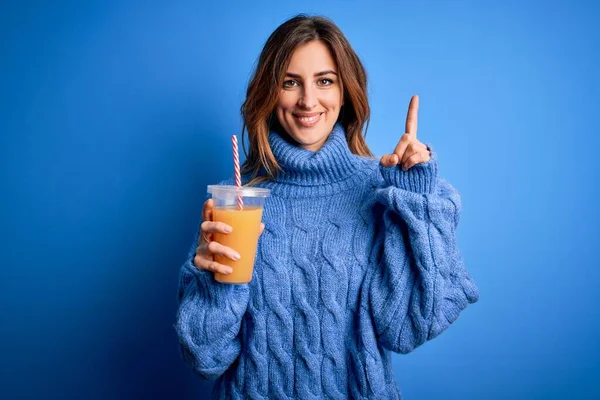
<point x="305" y="172"/>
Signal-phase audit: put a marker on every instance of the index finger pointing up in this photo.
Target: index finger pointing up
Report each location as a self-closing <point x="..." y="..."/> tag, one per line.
<point x="411" y="116"/>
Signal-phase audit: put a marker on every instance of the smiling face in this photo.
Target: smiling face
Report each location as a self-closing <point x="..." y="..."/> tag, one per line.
<point x="311" y="96"/>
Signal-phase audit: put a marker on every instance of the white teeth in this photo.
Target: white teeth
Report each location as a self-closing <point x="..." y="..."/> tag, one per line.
<point x="309" y="119"/>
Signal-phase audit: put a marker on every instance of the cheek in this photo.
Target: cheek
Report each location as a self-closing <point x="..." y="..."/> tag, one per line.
<point x="281" y="109"/>
<point x="286" y="101"/>
<point x="332" y="100"/>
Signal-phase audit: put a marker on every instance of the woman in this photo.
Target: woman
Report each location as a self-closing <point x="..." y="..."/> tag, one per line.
<point x="358" y="256"/>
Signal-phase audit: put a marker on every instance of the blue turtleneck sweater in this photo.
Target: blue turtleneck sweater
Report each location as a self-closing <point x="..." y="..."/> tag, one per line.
<point x="356" y="260"/>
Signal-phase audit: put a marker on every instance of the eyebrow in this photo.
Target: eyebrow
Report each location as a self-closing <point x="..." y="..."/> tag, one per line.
<point x="296" y="76"/>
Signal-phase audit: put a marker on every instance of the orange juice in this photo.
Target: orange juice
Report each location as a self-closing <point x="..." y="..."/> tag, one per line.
<point x="243" y="239"/>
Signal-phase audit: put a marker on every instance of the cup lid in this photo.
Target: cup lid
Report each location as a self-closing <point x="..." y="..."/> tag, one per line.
<point x="244" y="191"/>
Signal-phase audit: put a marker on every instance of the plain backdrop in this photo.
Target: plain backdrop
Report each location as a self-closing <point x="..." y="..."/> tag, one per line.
<point x="115" y="116"/>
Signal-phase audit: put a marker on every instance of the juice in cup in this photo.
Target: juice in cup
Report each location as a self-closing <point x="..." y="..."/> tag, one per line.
<point x="243" y="239"/>
<point x="246" y="228"/>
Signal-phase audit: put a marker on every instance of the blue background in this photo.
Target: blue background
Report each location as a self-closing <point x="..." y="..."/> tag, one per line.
<point x="115" y="116"/>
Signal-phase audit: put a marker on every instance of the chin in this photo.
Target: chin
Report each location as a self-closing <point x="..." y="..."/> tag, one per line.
<point x="309" y="136"/>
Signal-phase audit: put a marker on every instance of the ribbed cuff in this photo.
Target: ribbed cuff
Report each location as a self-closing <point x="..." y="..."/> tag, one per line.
<point x="421" y="178"/>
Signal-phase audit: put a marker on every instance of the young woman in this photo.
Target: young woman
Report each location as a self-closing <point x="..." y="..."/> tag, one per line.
<point x="358" y="256"/>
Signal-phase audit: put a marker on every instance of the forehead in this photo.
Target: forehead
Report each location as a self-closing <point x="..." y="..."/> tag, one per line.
<point x="311" y="56"/>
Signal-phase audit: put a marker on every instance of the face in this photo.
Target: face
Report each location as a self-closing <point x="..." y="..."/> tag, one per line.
<point x="311" y="96"/>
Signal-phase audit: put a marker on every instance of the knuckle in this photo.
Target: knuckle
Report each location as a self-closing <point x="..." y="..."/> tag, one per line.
<point x="212" y="246"/>
<point x="204" y="226"/>
<point x="214" y="266"/>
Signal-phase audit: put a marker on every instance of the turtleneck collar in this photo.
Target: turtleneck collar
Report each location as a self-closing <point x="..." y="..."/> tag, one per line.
<point x="332" y="168"/>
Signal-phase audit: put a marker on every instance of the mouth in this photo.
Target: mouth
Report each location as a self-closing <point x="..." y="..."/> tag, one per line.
<point x="307" y="120"/>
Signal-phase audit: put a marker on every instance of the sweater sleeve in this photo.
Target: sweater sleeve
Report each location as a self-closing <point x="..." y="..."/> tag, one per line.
<point x="209" y="319"/>
<point x="420" y="284"/>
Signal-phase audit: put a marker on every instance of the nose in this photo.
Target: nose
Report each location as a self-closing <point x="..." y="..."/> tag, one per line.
<point x="308" y="100"/>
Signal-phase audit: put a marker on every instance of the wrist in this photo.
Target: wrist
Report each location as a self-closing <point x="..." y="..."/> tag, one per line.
<point x="420" y="178"/>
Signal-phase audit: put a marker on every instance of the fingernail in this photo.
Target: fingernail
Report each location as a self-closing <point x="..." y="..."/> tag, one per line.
<point x="236" y="256"/>
<point x="228" y="270"/>
<point x="227" y="229"/>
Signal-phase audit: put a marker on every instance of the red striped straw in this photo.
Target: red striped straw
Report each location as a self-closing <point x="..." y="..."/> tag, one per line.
<point x="236" y="166"/>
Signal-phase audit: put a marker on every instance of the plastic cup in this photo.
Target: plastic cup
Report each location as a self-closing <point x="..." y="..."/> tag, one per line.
<point x="245" y="224"/>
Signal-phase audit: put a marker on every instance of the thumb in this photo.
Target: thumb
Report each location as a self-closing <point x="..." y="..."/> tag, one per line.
<point x="207" y="210"/>
<point x="389" y="160"/>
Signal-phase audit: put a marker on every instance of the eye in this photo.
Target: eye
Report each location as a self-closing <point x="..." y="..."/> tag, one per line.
<point x="290" y="83"/>
<point x="325" y="82"/>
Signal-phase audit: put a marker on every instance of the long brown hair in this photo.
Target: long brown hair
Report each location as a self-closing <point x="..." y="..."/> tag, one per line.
<point x="263" y="90"/>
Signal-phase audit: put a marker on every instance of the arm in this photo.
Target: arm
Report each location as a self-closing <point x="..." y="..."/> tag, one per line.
<point x="209" y="319"/>
<point x="420" y="284"/>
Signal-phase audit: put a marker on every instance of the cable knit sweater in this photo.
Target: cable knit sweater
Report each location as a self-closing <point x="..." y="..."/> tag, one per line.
<point x="356" y="260"/>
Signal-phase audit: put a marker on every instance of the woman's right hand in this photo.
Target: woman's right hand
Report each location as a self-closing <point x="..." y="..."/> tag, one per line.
<point x="207" y="247"/>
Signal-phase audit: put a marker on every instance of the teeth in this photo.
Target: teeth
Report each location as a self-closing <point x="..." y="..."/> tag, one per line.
<point x="308" y="119"/>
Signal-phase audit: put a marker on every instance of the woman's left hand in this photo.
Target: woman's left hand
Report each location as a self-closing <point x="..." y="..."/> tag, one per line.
<point x="409" y="151"/>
